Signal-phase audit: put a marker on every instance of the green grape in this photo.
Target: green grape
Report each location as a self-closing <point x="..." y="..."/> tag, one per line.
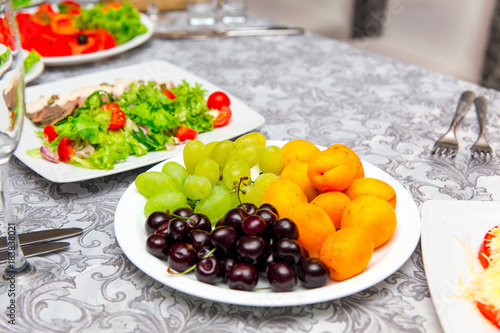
<point x="208" y="168"/>
<point x="165" y="200"/>
<point x="220" y="186"/>
<point x="254" y="137"/>
<point x="263" y="181"/>
<point x="251" y="194"/>
<point x="193" y="152"/>
<point x="271" y="160"/>
<point x="211" y="146"/>
<point x="233" y="171"/>
<point x="196" y="187"/>
<point x="249" y="152"/>
<point x="152" y="182"/>
<point x="221" y="151"/>
<point x="176" y="171"/>
<point x="214" y="206"/>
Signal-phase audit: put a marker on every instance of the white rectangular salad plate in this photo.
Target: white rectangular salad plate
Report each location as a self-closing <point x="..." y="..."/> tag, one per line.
<point x="449" y="230"/>
<point x="243" y="120"/>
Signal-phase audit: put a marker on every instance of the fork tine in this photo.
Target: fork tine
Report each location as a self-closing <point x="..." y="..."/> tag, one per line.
<point x="481" y="146"/>
<point x="448" y="143"/>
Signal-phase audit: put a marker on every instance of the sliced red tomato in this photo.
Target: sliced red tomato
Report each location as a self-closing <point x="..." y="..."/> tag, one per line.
<point x="485" y="249"/>
<point x="62" y="24"/>
<point x="118" y="117"/>
<point x="169" y="94"/>
<point x="223" y="117"/>
<point x="185" y="133"/>
<point x="49" y="133"/>
<point x="64" y="149"/>
<point x="490" y="312"/>
<point x="217" y="100"/>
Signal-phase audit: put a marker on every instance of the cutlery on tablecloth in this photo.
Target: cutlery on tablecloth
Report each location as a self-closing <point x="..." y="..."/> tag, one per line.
<point x="448" y="143"/>
<point x="481" y="146"/>
<point x="42" y="236"/>
<point x="37" y="249"/>
<point x="229" y="32"/>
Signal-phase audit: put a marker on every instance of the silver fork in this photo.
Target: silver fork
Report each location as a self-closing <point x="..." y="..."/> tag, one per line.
<point x="448" y="143"/>
<point x="481" y="146"/>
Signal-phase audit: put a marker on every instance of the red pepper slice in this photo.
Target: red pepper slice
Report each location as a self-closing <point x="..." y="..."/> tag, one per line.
<point x="185" y="133"/>
<point x="49" y="133"/>
<point x="70" y="7"/>
<point x="62" y="24"/>
<point x="64" y="149"/>
<point x="223" y="117"/>
<point x="169" y="94"/>
<point x="118" y="118"/>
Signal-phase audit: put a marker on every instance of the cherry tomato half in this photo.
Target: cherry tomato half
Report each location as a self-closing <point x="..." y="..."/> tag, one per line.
<point x="223" y="117"/>
<point x="49" y="133"/>
<point x="217" y="100"/>
<point x="485" y="249"/>
<point x="185" y="133"/>
<point x="118" y="117"/>
<point x="489" y="312"/>
<point x="64" y="149"/>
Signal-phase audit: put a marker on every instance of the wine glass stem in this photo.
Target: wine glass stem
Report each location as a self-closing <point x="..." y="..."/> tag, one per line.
<point x="16" y="261"/>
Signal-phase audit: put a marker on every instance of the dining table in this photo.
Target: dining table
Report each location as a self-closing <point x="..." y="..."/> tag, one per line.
<point x="306" y="87"/>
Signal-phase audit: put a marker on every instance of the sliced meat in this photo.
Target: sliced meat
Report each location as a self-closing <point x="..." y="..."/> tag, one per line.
<point x="52" y="114"/>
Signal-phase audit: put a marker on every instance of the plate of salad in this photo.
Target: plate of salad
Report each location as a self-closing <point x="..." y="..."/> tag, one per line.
<point x="70" y="34"/>
<point x="151" y="122"/>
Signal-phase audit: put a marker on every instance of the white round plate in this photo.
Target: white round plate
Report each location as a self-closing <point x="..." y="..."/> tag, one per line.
<point x="35" y="71"/>
<point x="131" y="236"/>
<point x="78" y="59"/>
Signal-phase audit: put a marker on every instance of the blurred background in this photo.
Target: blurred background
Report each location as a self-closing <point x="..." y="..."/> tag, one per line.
<point x="447" y="36"/>
<point x="459" y="38"/>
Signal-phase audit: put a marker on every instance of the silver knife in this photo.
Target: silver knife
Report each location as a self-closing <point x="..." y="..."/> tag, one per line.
<point x="229" y="32"/>
<point x="36" y="249"/>
<point x="42" y="236"/>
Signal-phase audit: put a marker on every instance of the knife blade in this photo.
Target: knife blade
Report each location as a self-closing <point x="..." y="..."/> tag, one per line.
<point x="42" y="236"/>
<point x="229" y="32"/>
<point x="36" y="249"/>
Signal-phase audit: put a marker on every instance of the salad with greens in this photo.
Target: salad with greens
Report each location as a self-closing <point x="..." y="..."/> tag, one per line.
<point x="146" y="117"/>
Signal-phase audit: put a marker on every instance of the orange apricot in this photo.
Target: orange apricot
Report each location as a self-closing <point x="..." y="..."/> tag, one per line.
<point x="371" y="186"/>
<point x="297" y="173"/>
<point x="331" y="170"/>
<point x="282" y="194"/>
<point x="347" y="252"/>
<point x="358" y="166"/>
<point x="314" y="226"/>
<point x="334" y="204"/>
<point x="373" y="214"/>
<point x="298" y="151"/>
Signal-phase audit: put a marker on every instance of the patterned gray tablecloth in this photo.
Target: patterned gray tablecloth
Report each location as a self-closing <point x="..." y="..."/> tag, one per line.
<point x="306" y="87"/>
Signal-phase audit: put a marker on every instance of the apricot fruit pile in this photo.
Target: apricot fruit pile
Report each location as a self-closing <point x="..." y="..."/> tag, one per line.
<point x="342" y="216"/>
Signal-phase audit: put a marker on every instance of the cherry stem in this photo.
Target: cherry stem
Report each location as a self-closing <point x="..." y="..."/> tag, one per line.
<point x="190" y="269"/>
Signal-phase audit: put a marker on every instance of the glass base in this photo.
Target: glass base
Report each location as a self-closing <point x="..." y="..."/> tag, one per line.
<point x="197" y="21"/>
<point x="234" y="19"/>
<point x="12" y="274"/>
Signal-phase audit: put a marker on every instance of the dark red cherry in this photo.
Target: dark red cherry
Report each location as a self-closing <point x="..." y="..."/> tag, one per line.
<point x="158" y="245"/>
<point x="242" y="276"/>
<point x="209" y="270"/>
<point x="155" y="220"/>
<point x="281" y="277"/>
<point x="181" y="256"/>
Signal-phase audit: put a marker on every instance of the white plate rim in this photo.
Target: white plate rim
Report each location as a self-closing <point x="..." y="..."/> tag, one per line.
<point x="244" y="120"/>
<point x="445" y="224"/>
<point x="78" y="59"/>
<point x="405" y="238"/>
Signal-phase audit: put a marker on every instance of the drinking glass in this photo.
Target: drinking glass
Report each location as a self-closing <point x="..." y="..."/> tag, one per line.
<point x="12" y="110"/>
<point x="201" y="12"/>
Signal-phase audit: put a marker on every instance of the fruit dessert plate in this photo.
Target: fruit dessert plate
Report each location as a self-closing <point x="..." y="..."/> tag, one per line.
<point x="131" y="235"/>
